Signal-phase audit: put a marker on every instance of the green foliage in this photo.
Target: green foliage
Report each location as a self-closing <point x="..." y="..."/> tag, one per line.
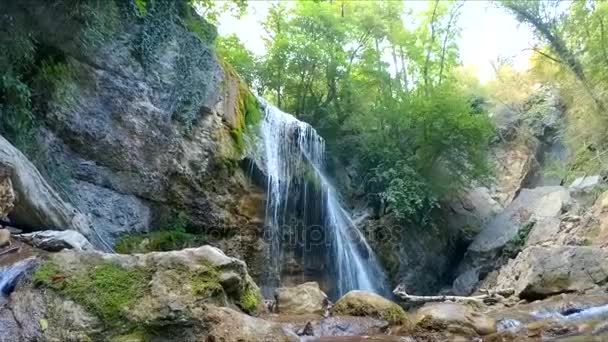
<point x="204" y="30"/>
<point x="206" y="282"/>
<point x="250" y="299"/>
<point x="104" y="289"/>
<point x="415" y="131"/>
<point x="232" y="51"/>
<point x="171" y="237"/>
<point x="516" y="244"/>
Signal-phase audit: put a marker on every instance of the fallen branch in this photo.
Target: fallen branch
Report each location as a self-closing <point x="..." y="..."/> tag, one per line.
<point x="490" y="297"/>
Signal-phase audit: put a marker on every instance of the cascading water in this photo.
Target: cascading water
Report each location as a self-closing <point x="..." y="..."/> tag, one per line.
<point x="294" y="158"/>
<point x="9" y="275"/>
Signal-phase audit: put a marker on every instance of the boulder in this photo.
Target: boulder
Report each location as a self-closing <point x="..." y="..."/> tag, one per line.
<point x="585" y="184"/>
<point x="538" y="272"/>
<point x="339" y="326"/>
<point x="5" y="237"/>
<point x="465" y="283"/>
<point x="545" y="231"/>
<point x="38" y="205"/>
<point x="531" y="206"/>
<point x="226" y="324"/>
<point x="456" y="317"/>
<point x="368" y="304"/>
<point x="56" y="240"/>
<point x="306" y="298"/>
<point x="89" y="295"/>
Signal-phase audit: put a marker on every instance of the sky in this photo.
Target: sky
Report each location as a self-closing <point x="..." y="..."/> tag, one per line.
<point x="487" y="33"/>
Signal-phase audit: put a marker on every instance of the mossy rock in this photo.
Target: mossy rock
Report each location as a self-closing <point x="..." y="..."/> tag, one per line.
<point x="133" y="296"/>
<point x="362" y="303"/>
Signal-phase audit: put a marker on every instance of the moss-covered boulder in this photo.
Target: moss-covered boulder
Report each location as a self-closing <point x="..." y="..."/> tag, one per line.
<point x="165" y="295"/>
<point x="362" y="303"/>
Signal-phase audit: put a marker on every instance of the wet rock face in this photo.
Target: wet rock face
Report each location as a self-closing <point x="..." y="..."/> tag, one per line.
<point x="306" y="298"/>
<point x="140" y="138"/>
<point x="539" y="272"/>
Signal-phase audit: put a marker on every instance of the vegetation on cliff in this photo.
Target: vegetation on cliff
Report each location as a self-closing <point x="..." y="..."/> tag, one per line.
<point x="412" y="130"/>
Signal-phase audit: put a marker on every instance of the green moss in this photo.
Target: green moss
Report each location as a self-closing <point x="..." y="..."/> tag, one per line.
<point x="172" y="236"/>
<point x="250" y="299"/>
<point x="105" y="289"/>
<point x="394" y="314"/>
<point x="135" y="336"/>
<point x="204" y="30"/>
<point x="156" y="241"/>
<point x="206" y="282"/>
<point x="247" y="111"/>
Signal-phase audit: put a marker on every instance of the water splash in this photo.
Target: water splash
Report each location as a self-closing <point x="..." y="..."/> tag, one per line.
<point x="10" y="275"/>
<point x="294" y="152"/>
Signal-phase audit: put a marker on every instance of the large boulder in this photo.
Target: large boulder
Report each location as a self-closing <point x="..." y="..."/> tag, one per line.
<point x="306" y="298"/>
<point x="225" y="324"/>
<point x="456" y="317"/>
<point x="368" y="304"/>
<point x="38" y="205"/>
<point x="96" y="296"/>
<point x="510" y="228"/>
<point x="538" y="272"/>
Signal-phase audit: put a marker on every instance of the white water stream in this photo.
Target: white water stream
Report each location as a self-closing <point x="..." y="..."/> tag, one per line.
<point x="291" y="149"/>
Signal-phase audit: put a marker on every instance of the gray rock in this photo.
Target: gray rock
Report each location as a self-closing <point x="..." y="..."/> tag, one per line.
<point x="539" y="272"/>
<point x="457" y="315"/>
<point x="340" y="326"/>
<point x="56" y="240"/>
<point x="302" y="299"/>
<point x="584" y="183"/>
<point x="465" y="284"/>
<point x="531" y="205"/>
<point x="545" y="231"/>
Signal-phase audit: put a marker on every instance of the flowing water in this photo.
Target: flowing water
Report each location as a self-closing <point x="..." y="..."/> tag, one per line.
<point x="294" y="160"/>
<point x="9" y="275"/>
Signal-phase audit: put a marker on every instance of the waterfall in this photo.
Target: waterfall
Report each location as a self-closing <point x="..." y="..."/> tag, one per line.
<point x="294" y="157"/>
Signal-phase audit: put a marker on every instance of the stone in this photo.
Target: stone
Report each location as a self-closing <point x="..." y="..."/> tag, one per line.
<point x="586" y="183"/>
<point x="530" y="206"/>
<point x="56" y="240"/>
<point x="454" y="315"/>
<point x="226" y="324"/>
<point x="181" y="295"/>
<point x="538" y="272"/>
<point x="465" y="283"/>
<point x="5" y="237"/>
<point x="339" y="326"/>
<point x="7" y="197"/>
<point x="306" y="298"/>
<point x="545" y="231"/>
<point x="471" y="210"/>
<point x="368" y="304"/>
<point x="38" y="204"/>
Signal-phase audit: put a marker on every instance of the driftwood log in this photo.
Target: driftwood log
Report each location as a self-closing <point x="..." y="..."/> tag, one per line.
<point x="488" y="297"/>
